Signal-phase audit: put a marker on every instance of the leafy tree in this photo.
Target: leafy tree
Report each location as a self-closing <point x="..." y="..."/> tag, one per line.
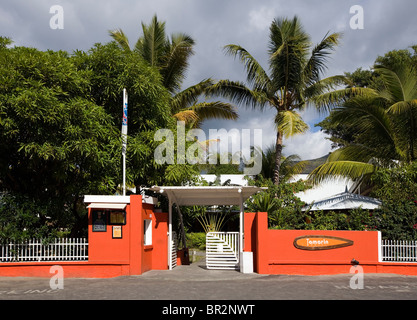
<point x="60" y="119"/>
<point x="294" y="79"/>
<point x="380" y="124"/>
<point x="56" y="144"/>
<point x="171" y="56"/>
<point x="281" y="204"/>
<point x="397" y="188"/>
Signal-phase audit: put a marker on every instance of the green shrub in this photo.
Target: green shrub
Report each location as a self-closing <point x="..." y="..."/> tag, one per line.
<point x="196" y="240"/>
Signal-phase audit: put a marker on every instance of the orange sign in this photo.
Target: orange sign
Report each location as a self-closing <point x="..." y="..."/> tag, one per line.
<point x="321" y="242"/>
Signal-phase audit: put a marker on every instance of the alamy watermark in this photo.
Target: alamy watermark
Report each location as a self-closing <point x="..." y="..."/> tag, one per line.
<point x="356" y="282"/>
<point x="57" y="280"/>
<point x="57" y="20"/>
<point x="357" y="20"/>
<point x="222" y="147"/>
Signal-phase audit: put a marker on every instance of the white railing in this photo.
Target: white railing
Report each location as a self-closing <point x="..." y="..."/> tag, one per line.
<point x="64" y="249"/>
<point x="398" y="251"/>
<point x="222" y="250"/>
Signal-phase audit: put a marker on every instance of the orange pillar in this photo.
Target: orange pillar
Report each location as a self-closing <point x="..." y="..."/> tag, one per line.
<point x="262" y="244"/>
<point x="136" y="234"/>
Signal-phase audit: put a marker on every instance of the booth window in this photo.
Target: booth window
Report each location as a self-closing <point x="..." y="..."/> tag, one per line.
<point x="117" y="217"/>
<point x="147" y="229"/>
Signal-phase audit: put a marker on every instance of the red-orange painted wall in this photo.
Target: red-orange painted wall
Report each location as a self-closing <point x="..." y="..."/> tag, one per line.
<point x="160" y="241"/>
<point x="275" y="253"/>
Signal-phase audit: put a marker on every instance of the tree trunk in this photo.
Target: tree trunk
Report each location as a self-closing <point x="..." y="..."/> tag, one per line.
<point x="278" y="154"/>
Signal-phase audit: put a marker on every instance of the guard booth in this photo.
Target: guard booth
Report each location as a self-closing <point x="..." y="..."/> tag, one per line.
<point x="126" y="236"/>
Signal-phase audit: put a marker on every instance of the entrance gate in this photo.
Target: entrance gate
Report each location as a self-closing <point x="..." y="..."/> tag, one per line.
<point x="174" y="248"/>
<point x="222" y="250"/>
<point x="207" y="196"/>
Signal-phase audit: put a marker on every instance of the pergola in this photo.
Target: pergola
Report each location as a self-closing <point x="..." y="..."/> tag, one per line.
<point x="206" y="196"/>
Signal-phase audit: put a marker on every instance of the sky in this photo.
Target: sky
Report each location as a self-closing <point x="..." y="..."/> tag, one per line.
<point x="387" y="25"/>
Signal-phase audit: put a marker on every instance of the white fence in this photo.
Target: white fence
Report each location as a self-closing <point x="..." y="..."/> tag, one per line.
<point x="65" y="249"/>
<point x="398" y="251"/>
<point x="222" y="250"/>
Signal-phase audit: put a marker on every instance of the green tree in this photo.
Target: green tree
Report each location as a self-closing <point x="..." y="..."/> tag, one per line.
<point x="397" y="188"/>
<point x="60" y="137"/>
<point x="113" y="69"/>
<point x="56" y="144"/>
<point x="381" y="124"/>
<point x="283" y="207"/>
<point x="170" y="55"/>
<point x="293" y="82"/>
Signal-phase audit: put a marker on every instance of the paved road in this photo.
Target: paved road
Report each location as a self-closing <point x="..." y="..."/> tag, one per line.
<point x="194" y="282"/>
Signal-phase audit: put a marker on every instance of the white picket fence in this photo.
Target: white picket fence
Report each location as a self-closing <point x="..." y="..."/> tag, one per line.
<point x="398" y="251"/>
<point x="63" y="249"/>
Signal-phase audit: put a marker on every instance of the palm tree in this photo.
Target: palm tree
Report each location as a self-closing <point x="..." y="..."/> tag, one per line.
<point x="293" y="82"/>
<point x="384" y="124"/>
<point x="171" y="56"/>
<point x="290" y="165"/>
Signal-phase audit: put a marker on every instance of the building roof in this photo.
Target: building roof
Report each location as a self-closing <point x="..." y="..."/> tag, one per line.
<point x="346" y="200"/>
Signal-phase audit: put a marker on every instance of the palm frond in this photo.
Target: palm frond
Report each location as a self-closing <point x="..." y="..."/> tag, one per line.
<point x="342" y="169"/>
<point x="238" y="93"/>
<point x="352" y="152"/>
<point x="316" y="65"/>
<point x="215" y="110"/>
<point x="190" y="96"/>
<point x="290" y="123"/>
<point x="288" y="48"/>
<point x="152" y="45"/>
<point x="255" y="73"/>
<point x="175" y="62"/>
<point x="400" y="84"/>
<point x="188" y="116"/>
<point x="120" y="37"/>
<point x="328" y="100"/>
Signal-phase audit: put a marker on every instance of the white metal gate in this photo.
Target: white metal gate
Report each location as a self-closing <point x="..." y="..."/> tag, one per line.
<point x="174" y="248"/>
<point x="222" y="250"/>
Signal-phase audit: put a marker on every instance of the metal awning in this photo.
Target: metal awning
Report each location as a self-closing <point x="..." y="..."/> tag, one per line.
<point x="118" y="206"/>
<point x="207" y="196"/>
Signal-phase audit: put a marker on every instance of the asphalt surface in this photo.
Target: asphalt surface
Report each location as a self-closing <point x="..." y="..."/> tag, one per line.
<point x="195" y="282"/>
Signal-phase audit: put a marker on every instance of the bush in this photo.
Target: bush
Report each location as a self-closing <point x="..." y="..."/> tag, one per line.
<point x="196" y="240"/>
<point x="397" y="189"/>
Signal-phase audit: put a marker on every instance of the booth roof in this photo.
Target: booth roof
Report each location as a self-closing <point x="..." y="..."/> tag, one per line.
<point x="214" y="195"/>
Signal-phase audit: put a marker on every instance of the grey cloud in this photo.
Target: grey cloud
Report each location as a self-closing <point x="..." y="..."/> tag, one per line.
<point x="213" y="24"/>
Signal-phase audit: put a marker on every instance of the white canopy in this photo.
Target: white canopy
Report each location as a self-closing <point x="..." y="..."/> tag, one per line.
<point x="214" y="195"/>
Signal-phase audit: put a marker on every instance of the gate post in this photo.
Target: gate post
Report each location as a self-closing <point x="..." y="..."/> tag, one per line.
<point x="262" y="245"/>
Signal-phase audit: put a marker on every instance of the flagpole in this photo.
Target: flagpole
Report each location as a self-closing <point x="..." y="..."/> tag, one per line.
<point x="124" y="138"/>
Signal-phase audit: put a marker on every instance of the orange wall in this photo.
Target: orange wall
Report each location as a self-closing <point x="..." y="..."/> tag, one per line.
<point x="275" y="253"/>
<point x="160" y="241"/>
<point x="364" y="248"/>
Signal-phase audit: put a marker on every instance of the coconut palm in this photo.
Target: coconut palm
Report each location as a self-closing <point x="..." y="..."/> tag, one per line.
<point x="290" y="165"/>
<point x="171" y="56"/>
<point x="294" y="79"/>
<point x="384" y="124"/>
